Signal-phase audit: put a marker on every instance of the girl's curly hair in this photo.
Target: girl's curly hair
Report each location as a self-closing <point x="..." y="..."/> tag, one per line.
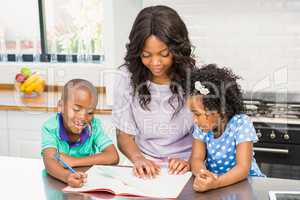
<point x="164" y="23"/>
<point x="225" y="95"/>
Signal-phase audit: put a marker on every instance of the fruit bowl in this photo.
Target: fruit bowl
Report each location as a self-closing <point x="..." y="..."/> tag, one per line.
<point x="29" y="84"/>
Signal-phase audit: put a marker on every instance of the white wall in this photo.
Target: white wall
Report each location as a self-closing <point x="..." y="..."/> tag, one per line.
<point x="125" y="13"/>
<point x="258" y="39"/>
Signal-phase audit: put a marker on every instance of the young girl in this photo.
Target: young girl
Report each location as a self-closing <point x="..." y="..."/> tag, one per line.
<point x="149" y="113"/>
<point x="222" y="151"/>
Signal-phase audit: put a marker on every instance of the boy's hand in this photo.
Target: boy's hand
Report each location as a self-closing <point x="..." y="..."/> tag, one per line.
<point x="76" y="179"/>
<point x="68" y="159"/>
<point x="205" y="180"/>
<point x="144" y="168"/>
<point x="178" y="166"/>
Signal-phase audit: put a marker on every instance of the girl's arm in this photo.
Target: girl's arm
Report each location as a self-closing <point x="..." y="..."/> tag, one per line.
<point x="241" y="170"/>
<point x="107" y="157"/>
<point x="198" y="156"/>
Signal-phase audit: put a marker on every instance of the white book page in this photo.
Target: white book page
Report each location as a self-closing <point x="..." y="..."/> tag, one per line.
<point x="98" y="180"/>
<point x="122" y="181"/>
<point x="164" y="185"/>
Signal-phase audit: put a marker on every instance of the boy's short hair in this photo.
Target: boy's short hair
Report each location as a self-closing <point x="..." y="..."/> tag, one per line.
<point x="78" y="84"/>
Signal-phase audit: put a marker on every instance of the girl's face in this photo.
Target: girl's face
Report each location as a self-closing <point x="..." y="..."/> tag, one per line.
<point x="157" y="58"/>
<point x="206" y="120"/>
<point x="78" y="111"/>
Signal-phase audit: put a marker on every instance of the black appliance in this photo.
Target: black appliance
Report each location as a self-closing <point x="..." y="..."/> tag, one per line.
<point x="276" y="118"/>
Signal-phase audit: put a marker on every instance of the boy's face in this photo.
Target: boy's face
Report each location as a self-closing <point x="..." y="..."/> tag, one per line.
<point x="206" y="120"/>
<point x="78" y="111"/>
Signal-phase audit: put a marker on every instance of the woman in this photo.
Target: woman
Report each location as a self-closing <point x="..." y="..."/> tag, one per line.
<point x="153" y="124"/>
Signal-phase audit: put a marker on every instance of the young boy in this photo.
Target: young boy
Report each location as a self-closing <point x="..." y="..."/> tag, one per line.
<point x="76" y="134"/>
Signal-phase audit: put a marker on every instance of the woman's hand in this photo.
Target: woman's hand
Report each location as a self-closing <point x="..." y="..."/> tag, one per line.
<point x="205" y="180"/>
<point x="144" y="168"/>
<point x="76" y="179"/>
<point x="178" y="166"/>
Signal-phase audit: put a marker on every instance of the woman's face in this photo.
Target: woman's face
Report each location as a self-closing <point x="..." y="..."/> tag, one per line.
<point x="206" y="120"/>
<point x="157" y="57"/>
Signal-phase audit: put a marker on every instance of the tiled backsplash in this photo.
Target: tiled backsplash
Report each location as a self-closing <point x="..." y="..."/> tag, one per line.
<point x="258" y="39"/>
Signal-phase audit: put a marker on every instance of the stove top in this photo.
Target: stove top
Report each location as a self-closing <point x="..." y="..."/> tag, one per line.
<point x="273" y="107"/>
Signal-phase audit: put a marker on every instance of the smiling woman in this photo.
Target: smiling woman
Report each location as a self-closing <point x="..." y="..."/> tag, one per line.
<point x="153" y="124"/>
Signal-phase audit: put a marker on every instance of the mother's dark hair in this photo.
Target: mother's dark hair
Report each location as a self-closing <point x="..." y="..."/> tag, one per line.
<point x="164" y="23"/>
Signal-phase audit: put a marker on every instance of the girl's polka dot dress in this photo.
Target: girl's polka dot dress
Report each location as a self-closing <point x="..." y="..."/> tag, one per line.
<point x="221" y="151"/>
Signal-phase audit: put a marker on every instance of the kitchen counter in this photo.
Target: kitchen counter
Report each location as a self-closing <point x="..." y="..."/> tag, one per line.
<point x="10" y="99"/>
<point x="28" y="178"/>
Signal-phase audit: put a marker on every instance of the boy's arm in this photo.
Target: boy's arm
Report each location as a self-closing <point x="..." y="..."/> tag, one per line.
<point x="109" y="156"/>
<point x="56" y="170"/>
<point x="53" y="167"/>
<point x="198" y="156"/>
<point x="241" y="170"/>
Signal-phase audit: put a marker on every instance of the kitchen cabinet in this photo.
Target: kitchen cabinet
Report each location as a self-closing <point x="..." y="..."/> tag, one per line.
<point x="3" y="133"/>
<point x="21" y="136"/>
<point x="24" y="136"/>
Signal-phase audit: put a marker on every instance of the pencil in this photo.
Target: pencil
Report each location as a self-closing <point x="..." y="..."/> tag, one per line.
<point x="63" y="163"/>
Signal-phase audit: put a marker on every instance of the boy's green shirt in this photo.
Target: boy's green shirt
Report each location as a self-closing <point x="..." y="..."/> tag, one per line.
<point x="96" y="143"/>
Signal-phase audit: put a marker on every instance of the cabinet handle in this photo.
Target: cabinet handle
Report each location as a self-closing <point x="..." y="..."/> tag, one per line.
<point x="271" y="150"/>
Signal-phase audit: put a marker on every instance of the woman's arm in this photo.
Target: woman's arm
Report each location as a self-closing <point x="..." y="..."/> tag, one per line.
<point x="241" y="170"/>
<point x="142" y="166"/>
<point x="128" y="146"/>
<point x="198" y="156"/>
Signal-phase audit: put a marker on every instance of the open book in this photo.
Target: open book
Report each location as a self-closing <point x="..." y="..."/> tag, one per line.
<point x="121" y="181"/>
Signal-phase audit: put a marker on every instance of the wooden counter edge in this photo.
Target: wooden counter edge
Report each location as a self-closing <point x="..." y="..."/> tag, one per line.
<point x="48" y="88"/>
<point x="47" y="109"/>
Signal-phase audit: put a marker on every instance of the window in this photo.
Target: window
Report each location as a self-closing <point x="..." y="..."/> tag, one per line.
<point x="51" y="30"/>
<point x="74" y="27"/>
<point x="19" y="33"/>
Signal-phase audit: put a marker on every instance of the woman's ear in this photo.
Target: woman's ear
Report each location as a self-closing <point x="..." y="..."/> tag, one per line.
<point x="60" y="106"/>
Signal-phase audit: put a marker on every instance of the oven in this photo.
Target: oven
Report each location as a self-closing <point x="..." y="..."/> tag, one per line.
<point x="278" y="149"/>
<point x="277" y="125"/>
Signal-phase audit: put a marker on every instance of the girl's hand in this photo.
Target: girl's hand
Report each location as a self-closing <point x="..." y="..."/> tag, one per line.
<point x="205" y="180"/>
<point x="76" y="179"/>
<point x="144" y="168"/>
<point x="178" y="166"/>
